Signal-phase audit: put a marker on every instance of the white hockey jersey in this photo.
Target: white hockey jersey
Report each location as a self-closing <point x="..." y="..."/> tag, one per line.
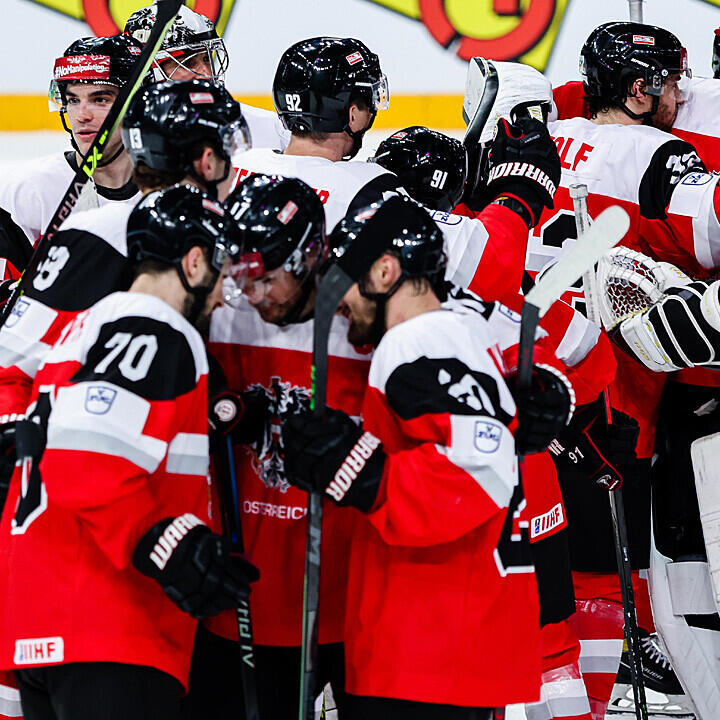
<point x="266" y="129"/>
<point x="698" y="121"/>
<point x="341" y="186"/>
<point x="30" y="192"/>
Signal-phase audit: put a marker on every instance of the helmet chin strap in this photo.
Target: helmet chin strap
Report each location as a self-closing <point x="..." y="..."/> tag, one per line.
<point x="199" y="293"/>
<point x="75" y="147"/>
<point x="646" y="116"/>
<point x="379" y="326"/>
<point x="210" y="186"/>
<point x="357" y="137"/>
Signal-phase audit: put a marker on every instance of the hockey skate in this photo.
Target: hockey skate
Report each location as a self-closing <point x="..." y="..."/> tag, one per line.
<point x="665" y="696"/>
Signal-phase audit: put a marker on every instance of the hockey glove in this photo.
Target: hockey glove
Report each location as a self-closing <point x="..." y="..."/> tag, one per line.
<point x="604" y="452"/>
<point x="544" y="412"/>
<point x="333" y="456"/>
<point x="240" y="415"/>
<point x="194" y="566"/>
<point x="523" y="167"/>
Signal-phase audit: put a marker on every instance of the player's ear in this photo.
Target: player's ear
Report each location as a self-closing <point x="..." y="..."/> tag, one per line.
<point x="637" y="89"/>
<point x="206" y="162"/>
<point x="385" y="272"/>
<point x="194" y="264"/>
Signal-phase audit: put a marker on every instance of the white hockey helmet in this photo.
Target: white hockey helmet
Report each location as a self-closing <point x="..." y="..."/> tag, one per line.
<point x="190" y="34"/>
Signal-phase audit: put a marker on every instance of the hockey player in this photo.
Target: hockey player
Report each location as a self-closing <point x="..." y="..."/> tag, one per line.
<point x="432" y="169"/>
<point x="265" y="350"/>
<point x="113" y="500"/>
<point x="191" y="50"/>
<point x="693" y="100"/>
<point x="437" y="494"/>
<point x="86" y="80"/>
<point x="631" y="76"/>
<point x="176" y="132"/>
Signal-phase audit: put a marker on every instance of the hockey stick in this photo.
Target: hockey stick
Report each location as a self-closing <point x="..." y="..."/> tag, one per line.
<point x="579" y="193"/>
<point x="636" y="10"/>
<point x="167" y="11"/>
<point x="230" y="511"/>
<point x="609" y="228"/>
<point x="331" y="290"/>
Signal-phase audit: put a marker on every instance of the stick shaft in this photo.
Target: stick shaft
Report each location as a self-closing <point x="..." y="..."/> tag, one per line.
<point x="579" y="194"/>
<point x="636" y="10"/>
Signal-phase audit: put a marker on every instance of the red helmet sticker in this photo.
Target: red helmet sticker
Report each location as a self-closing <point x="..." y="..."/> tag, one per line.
<point x="286" y="214"/>
<point x="643" y="40"/>
<point x="354" y="58"/>
<point x="201" y="98"/>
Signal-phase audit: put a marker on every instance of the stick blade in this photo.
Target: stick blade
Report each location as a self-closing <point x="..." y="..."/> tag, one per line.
<point x="607" y="231"/>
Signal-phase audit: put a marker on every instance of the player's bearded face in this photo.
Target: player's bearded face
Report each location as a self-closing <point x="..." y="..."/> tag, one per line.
<point x="200" y="318"/>
<point x="362" y="316"/>
<point x="670" y="99"/>
<point x="274" y="295"/>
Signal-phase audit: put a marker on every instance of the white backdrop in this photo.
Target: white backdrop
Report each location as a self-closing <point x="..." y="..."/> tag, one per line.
<point x="31" y="36"/>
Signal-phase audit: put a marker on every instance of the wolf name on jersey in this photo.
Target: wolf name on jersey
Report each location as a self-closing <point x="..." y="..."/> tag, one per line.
<point x="87" y="261"/>
<point x="442" y="548"/>
<point x="31" y="192"/>
<point x="258" y="355"/>
<point x="126" y="394"/>
<point x="696" y="120"/>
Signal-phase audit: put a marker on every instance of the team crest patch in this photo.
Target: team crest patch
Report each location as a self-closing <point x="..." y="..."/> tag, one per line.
<point x="19" y="309"/>
<point x="99" y="399"/>
<point x="446" y="218"/>
<point x="267" y="453"/>
<point x="487" y="436"/>
<point x="354" y="58"/>
<point x="696" y="178"/>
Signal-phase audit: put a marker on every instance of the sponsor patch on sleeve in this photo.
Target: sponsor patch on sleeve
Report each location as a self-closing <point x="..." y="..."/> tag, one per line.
<point x="487" y="436"/>
<point x="39" y="651"/>
<point x="99" y="399"/>
<point x="542" y="524"/>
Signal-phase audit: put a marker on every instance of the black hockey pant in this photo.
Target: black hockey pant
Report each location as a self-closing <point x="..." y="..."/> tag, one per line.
<point x="98" y="691"/>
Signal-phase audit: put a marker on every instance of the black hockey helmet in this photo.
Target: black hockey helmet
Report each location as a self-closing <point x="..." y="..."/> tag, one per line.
<point x="431" y="166"/>
<point x="617" y="53"/>
<point x="318" y="79"/>
<point x="716" y="55"/>
<point x="280" y="224"/>
<point x="191" y="33"/>
<point x="93" y="60"/>
<point x="166" y="223"/>
<point x="399" y="226"/>
<point x="165" y="121"/>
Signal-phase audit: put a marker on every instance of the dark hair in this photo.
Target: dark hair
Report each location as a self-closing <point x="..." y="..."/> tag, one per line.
<point x="601" y="104"/>
<point x="322" y="136"/>
<point x="147" y="178"/>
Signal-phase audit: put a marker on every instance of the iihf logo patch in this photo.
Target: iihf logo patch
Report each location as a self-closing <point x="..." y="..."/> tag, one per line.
<point x="17" y="312"/>
<point x="99" y="399"/>
<point x="487" y="436"/>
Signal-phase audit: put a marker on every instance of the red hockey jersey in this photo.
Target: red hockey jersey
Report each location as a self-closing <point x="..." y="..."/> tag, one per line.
<point x="126" y="392"/>
<point x="442" y="599"/>
<point x="258" y="355"/>
<point x="88" y="260"/>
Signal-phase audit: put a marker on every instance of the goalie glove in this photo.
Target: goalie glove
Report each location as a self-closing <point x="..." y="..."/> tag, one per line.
<point x="333" y="456"/>
<point x="605" y="452"/>
<point x="194" y="566"/>
<point x="680" y="331"/>
<point x="523" y="167"/>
